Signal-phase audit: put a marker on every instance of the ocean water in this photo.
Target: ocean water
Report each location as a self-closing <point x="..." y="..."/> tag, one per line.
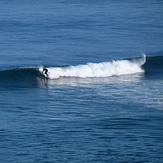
<point x="102" y="101"/>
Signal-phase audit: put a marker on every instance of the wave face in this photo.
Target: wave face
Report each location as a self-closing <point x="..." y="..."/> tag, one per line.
<point x="153" y="64"/>
<point x="104" y="69"/>
<point x="20" y="77"/>
<point x="31" y="77"/>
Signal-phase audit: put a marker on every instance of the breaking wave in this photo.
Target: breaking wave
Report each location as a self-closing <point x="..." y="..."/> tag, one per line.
<point x="33" y="76"/>
<point x="104" y="69"/>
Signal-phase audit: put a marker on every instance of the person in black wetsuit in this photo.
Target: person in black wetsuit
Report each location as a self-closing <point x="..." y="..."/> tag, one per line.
<point x="45" y="70"/>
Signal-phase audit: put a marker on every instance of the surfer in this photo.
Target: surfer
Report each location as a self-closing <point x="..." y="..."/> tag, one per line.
<point x="45" y="70"/>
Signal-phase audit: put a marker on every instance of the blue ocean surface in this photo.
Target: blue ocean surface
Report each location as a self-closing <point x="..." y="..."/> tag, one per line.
<point x="102" y="98"/>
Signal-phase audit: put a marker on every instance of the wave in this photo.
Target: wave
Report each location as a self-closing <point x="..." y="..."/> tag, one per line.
<point x="153" y="64"/>
<point x="20" y="77"/>
<point x="104" y="69"/>
<point x="34" y="77"/>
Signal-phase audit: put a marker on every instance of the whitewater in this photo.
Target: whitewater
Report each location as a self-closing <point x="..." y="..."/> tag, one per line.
<point x="103" y="69"/>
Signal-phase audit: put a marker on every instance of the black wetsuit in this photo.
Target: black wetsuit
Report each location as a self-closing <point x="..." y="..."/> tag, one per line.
<point x="45" y="70"/>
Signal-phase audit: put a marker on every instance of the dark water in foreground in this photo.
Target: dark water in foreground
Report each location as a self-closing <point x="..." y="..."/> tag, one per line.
<point x="103" y="100"/>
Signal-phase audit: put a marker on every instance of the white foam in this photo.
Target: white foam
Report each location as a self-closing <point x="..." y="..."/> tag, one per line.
<point x="104" y="69"/>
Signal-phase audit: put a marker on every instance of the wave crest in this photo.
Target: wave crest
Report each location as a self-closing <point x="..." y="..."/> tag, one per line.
<point x="104" y="69"/>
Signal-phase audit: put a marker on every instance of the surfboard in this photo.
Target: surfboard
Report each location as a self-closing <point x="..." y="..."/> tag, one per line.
<point x="44" y="75"/>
